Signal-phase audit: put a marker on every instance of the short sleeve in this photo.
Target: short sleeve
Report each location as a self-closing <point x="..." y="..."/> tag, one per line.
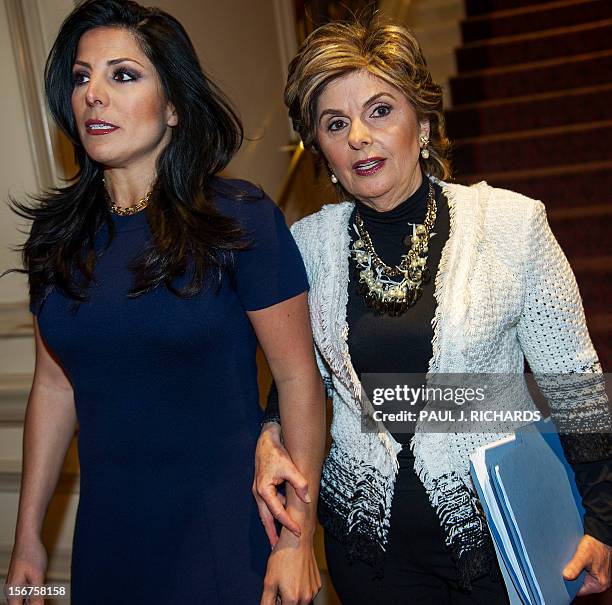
<point x="271" y="270"/>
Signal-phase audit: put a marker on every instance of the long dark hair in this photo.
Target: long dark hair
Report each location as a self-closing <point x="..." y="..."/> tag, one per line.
<point x="188" y="233"/>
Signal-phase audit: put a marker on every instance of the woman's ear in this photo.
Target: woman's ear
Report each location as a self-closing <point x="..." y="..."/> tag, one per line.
<point x="424" y="128"/>
<point x="171" y="117"/>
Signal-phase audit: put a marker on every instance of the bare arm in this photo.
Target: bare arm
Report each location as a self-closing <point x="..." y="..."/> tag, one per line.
<point x="274" y="467"/>
<point x="284" y="333"/>
<point x="49" y="426"/>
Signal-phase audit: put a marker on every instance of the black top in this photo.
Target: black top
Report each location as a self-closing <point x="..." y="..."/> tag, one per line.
<point x="373" y="339"/>
<point x="403" y="344"/>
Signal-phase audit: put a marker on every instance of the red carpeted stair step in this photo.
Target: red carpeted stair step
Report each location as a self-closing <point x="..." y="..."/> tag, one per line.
<point x="534" y="148"/>
<point x="534" y="18"/>
<point x="532" y="78"/>
<point x="557" y="186"/>
<point x="583" y="231"/>
<point x="535" y="46"/>
<point x="479" y="7"/>
<point x="574" y="106"/>
<point x="532" y="112"/>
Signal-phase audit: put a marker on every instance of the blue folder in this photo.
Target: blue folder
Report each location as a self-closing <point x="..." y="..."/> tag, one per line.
<point x="540" y="520"/>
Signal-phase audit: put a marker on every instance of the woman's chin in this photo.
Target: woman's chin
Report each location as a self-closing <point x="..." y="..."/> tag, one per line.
<point x="372" y="194"/>
<point x="108" y="160"/>
<point x="98" y="154"/>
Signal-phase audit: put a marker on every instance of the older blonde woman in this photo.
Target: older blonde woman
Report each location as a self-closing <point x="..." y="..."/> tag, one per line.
<point x="402" y="521"/>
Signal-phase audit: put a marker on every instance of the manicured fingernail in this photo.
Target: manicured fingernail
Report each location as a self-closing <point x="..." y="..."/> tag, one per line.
<point x="307" y="498"/>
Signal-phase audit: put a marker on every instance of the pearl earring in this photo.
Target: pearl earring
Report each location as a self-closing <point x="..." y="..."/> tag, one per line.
<point x="333" y="178"/>
<point x="424" y="140"/>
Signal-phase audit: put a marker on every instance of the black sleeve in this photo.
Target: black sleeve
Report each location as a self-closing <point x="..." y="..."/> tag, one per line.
<point x="591" y="458"/>
<point x="594" y="481"/>
<point x="272" y="411"/>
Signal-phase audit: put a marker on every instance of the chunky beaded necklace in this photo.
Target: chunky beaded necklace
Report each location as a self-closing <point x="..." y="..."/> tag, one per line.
<point x="392" y="290"/>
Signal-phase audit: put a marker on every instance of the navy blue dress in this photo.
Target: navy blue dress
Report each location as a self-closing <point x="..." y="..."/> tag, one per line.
<point x="167" y="405"/>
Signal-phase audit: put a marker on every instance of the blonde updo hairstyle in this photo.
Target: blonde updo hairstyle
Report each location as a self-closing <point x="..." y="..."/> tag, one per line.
<point x="391" y="53"/>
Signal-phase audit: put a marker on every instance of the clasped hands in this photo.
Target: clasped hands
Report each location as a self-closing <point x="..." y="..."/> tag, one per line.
<point x="292" y="576"/>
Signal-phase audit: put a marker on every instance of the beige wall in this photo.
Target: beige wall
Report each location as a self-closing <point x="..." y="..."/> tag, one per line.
<point x="17" y="172"/>
<point x="239" y="47"/>
<point x="52" y="13"/>
<point x="16" y="168"/>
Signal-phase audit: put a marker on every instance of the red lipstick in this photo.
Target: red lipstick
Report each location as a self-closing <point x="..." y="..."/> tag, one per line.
<point x="368" y="166"/>
<point x="97" y="127"/>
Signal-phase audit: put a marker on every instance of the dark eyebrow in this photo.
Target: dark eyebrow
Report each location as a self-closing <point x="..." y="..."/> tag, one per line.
<point x="111" y="62"/>
<point x="366" y="104"/>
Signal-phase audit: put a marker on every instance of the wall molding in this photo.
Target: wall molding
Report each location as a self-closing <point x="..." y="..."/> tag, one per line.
<point x="29" y="52"/>
<point x="15" y="320"/>
<point x="284" y="17"/>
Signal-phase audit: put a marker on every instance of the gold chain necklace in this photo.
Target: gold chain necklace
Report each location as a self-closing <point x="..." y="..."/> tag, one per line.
<point x="130" y="210"/>
<point x="392" y="290"/>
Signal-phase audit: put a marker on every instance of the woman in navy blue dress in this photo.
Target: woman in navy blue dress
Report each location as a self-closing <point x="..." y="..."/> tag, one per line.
<point x="151" y="280"/>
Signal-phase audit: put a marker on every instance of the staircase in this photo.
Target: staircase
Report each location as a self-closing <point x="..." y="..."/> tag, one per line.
<point x="532" y="112"/>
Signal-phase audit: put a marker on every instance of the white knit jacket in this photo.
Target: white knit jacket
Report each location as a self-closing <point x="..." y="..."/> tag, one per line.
<point x="504" y="291"/>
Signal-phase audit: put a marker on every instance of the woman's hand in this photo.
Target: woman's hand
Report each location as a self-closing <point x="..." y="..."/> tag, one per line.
<point x="292" y="576"/>
<point x="273" y="466"/>
<point x="27" y="568"/>
<point x="596" y="558"/>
